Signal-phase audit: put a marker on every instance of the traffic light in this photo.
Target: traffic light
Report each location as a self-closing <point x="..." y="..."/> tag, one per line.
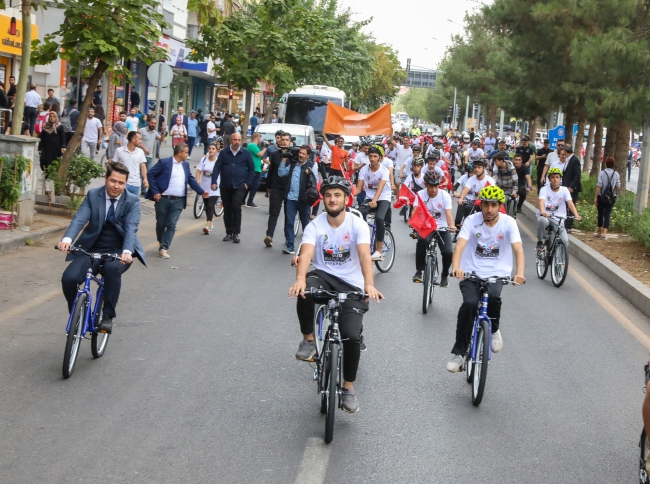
<point x="451" y="109"/>
<point x="231" y="94"/>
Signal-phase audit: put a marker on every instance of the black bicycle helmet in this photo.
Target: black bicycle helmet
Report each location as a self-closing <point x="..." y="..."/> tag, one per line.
<point x="432" y="177"/>
<point x="319" y="140"/>
<point x="435" y="153"/>
<point x="336" y="182"/>
<point x="480" y="162"/>
<point x="476" y="141"/>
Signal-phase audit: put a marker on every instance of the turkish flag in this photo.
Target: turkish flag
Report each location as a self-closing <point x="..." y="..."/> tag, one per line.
<point x="404" y="197"/>
<point x="421" y="220"/>
<point x="445" y="170"/>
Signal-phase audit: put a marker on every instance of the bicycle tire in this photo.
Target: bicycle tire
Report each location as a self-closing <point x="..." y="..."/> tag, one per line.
<point x="218" y="208"/>
<point x="468" y="362"/>
<point x="559" y="262"/>
<point x="388" y="251"/>
<point x="296" y="224"/>
<point x="331" y="395"/>
<point x="73" y="340"/>
<point x="644" y="445"/>
<point x="481" y="364"/>
<point x="435" y="274"/>
<point x="426" y="282"/>
<point x="99" y="341"/>
<point x="199" y="206"/>
<point x="320" y="318"/>
<point x="323" y="374"/>
<point x="406" y="214"/>
<point x="541" y="261"/>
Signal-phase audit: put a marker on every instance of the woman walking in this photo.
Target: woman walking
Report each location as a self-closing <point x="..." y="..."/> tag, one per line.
<point x="607" y="190"/>
<point x="116" y="139"/>
<point x="178" y="132"/>
<point x="52" y="141"/>
<point x="204" y="177"/>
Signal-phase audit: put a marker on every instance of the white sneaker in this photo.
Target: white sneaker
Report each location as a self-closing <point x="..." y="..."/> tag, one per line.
<point x="497" y="342"/>
<point x="376" y="255"/>
<point x="456" y="364"/>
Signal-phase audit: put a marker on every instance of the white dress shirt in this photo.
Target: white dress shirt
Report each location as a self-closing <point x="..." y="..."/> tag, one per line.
<point x="177" y="182"/>
<point x="32" y="99"/>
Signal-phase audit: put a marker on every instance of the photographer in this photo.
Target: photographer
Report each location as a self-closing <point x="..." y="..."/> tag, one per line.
<point x="277" y="181"/>
<point x="301" y="194"/>
<point x="257" y="149"/>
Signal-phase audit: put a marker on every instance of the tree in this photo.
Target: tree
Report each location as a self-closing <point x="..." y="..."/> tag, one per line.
<point x="387" y="76"/>
<point x="100" y="37"/>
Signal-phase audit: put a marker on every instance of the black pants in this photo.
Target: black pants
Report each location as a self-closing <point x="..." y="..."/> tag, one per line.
<point x="276" y="198"/>
<point x="350" y="320"/>
<point x="467" y="312"/>
<point x="30" y="118"/>
<point x="446" y="250"/>
<point x="314" y="209"/>
<point x="210" y="205"/>
<point x="334" y="172"/>
<point x="232" y="199"/>
<point x="383" y="207"/>
<point x="75" y="274"/>
<point x="540" y="170"/>
<point x="568" y="223"/>
<point x="522" y="198"/>
<point x="463" y="211"/>
<point x="604" y="213"/>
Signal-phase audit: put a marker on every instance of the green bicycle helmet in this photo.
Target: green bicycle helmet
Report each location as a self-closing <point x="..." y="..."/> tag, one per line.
<point x="492" y="194"/>
<point x="378" y="148"/>
<point x="554" y="171"/>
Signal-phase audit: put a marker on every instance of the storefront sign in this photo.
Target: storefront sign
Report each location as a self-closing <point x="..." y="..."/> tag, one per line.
<point x="176" y="53"/>
<point x="12" y="44"/>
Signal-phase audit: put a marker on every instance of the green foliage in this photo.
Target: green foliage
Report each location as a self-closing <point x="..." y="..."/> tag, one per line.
<point x="29" y="242"/>
<point x="75" y="202"/>
<point x="387" y="74"/>
<point x="639" y="229"/>
<point x="73" y="182"/>
<point x="10" y="191"/>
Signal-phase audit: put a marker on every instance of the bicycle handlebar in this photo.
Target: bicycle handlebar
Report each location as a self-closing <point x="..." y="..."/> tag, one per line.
<point x="490" y="280"/>
<point x="92" y="255"/>
<point x="335" y="294"/>
<point x="557" y="217"/>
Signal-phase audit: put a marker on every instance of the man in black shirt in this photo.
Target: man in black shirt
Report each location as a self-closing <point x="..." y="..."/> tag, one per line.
<point x="523" y="179"/>
<point x="11" y="93"/>
<point x="525" y="150"/>
<point x="278" y="182"/>
<point x="227" y="129"/>
<point x="542" y="154"/>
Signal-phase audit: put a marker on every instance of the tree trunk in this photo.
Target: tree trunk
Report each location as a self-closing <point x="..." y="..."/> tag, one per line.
<point x="580" y="135"/>
<point x="590" y="148"/>
<point x="83" y="116"/>
<point x="25" y="60"/>
<point x="247" y="109"/>
<point x="598" y="149"/>
<point x="610" y="142"/>
<point x="269" y="111"/>
<point x="569" y="121"/>
<point x="621" y="150"/>
<point x="493" y="118"/>
<point x="533" y="128"/>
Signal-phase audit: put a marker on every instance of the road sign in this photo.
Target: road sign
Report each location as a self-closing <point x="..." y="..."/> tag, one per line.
<point x="555" y="134"/>
<point x="164" y="93"/>
<point x="160" y="74"/>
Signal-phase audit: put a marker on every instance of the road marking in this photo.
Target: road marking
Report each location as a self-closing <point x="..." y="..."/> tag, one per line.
<point x="314" y="462"/>
<point x="623" y="320"/>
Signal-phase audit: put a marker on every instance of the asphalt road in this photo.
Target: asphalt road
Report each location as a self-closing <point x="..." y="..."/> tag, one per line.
<point x="199" y="383"/>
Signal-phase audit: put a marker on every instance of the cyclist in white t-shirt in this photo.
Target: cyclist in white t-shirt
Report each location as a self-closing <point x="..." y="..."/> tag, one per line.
<point x="553" y="200"/>
<point x="339" y="243"/>
<point x="486" y="244"/>
<point x="471" y="189"/>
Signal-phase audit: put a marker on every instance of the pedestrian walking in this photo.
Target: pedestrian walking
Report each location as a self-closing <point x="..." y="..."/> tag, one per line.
<point x="178" y="132"/>
<point x="303" y="180"/>
<point x="571" y="178"/>
<point x="204" y="177"/>
<point x="227" y="129"/>
<point x="168" y="181"/>
<point x="52" y="141"/>
<point x="70" y="115"/>
<point x="542" y="155"/>
<point x="179" y="114"/>
<point x="132" y="156"/>
<point x="150" y="139"/>
<point x="32" y="102"/>
<point x="93" y="132"/>
<point x="192" y="131"/>
<point x="257" y="151"/>
<point x="236" y="167"/>
<point x="277" y="181"/>
<point x="607" y="190"/>
<point x="116" y="140"/>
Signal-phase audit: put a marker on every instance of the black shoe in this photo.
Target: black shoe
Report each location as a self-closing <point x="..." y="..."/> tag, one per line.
<point x="540" y="246"/>
<point x="568" y="231"/>
<point x="227" y="238"/>
<point x="235" y="238"/>
<point x="520" y="210"/>
<point x="266" y="196"/>
<point x="413" y="234"/>
<point x="251" y="205"/>
<point x="105" y="325"/>
<point x="362" y="344"/>
<point x="444" y="281"/>
<point x="418" y="276"/>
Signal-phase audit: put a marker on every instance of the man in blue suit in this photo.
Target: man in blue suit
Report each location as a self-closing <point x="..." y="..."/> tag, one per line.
<point x="112" y="214"/>
<point x="168" y="181"/>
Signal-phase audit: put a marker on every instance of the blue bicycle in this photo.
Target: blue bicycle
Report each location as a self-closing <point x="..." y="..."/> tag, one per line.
<point x="479" y="352"/>
<point x="84" y="317"/>
<point x="388" y="249"/>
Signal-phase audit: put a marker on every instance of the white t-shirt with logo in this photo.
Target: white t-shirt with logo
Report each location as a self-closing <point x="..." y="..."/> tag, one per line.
<point x="206" y="166"/>
<point x="361" y="158"/>
<point x="489" y="249"/>
<point x="336" y="248"/>
<point x="554" y="202"/>
<point x="437" y="206"/>
<point x="475" y="186"/>
<point x="474" y="155"/>
<point x="371" y="181"/>
<point x="411" y="182"/>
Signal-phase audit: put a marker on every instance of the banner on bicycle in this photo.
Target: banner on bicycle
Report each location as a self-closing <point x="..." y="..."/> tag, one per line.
<point x="406" y="196"/>
<point x="421" y="220"/>
<point x="343" y="121"/>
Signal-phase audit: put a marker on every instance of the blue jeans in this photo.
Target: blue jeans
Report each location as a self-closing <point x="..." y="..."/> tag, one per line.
<point x="290" y="209"/>
<point x="167" y="213"/>
<point x="255" y="184"/>
<point x="133" y="189"/>
<point x="190" y="143"/>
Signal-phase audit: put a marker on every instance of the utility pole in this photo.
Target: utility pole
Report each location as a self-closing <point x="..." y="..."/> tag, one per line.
<point x="641" y="201"/>
<point x="503" y="115"/>
<point x="158" y="94"/>
<point x="453" y="116"/>
<point x="466" y="113"/>
<point x="478" y="118"/>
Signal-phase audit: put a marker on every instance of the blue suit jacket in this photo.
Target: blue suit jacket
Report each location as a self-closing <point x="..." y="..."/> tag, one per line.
<point x="161" y="173"/>
<point x="93" y="213"/>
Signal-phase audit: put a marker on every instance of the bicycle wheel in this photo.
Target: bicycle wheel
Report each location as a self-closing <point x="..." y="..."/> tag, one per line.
<point x="435" y="276"/>
<point x="320" y="326"/>
<point x="559" y="263"/>
<point x="428" y="284"/>
<point x="480" y="364"/>
<point x="643" y="471"/>
<point x="323" y="377"/>
<point x="74" y="335"/>
<point x="296" y="224"/>
<point x="199" y="206"/>
<point x="542" y="263"/>
<point x="469" y="367"/>
<point x="406" y="213"/>
<point x="331" y="393"/>
<point x="218" y="208"/>
<point x="388" y="251"/>
<point x="99" y="341"/>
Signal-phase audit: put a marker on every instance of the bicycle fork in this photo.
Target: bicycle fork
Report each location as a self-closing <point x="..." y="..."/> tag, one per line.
<point x="482" y="316"/>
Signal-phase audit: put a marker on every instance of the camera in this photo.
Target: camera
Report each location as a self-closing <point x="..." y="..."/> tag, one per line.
<point x="291" y="153"/>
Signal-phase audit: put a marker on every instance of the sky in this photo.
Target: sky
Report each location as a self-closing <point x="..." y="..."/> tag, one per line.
<point x="418" y="29"/>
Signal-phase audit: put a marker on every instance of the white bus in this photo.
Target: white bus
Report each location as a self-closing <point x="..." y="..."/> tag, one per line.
<point x="307" y="105"/>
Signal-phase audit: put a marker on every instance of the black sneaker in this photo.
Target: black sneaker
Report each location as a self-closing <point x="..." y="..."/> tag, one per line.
<point x="444" y="281"/>
<point x="252" y="205"/>
<point x="417" y="277"/>
<point x="413" y="234"/>
<point x="520" y="210"/>
<point x="540" y="246"/>
<point x="105" y="325"/>
<point x="227" y="238"/>
<point x="235" y="238"/>
<point x="362" y="344"/>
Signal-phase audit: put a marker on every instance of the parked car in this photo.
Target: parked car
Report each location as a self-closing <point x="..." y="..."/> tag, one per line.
<point x="348" y="140"/>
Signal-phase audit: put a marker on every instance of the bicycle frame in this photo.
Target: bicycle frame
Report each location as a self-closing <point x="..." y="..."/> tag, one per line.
<point x="90" y="317"/>
<point x="480" y="317"/>
<point x="554" y="231"/>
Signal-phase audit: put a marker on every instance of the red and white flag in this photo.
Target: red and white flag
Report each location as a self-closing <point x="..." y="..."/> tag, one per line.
<point x="406" y="196"/>
<point x="421" y="219"/>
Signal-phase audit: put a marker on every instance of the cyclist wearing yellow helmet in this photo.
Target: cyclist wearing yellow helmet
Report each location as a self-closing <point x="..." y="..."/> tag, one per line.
<point x="553" y="200"/>
<point x="485" y="246"/>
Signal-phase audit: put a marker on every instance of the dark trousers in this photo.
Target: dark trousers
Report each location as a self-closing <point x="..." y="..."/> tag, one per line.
<point x="190" y="143"/>
<point x="604" y="213"/>
<point x="540" y="170"/>
<point x="68" y="137"/>
<point x="276" y="198"/>
<point x="252" y="191"/>
<point x="350" y="320"/>
<point x="210" y="205"/>
<point x="568" y="223"/>
<point x="468" y="310"/>
<point x="30" y="118"/>
<point x="291" y="207"/>
<point x="206" y="145"/>
<point x="445" y="245"/>
<point x="383" y="207"/>
<point x="232" y="199"/>
<point x="167" y="212"/>
<point x="334" y="172"/>
<point x="75" y="274"/>
<point x="522" y="198"/>
<point x="463" y="211"/>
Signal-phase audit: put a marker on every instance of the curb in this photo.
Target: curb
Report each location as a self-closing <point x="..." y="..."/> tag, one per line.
<point x="621" y="281"/>
<point x="35" y="236"/>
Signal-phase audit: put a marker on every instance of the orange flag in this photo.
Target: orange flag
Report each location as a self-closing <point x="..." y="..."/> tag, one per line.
<point x="340" y="120"/>
<point x="421" y="219"/>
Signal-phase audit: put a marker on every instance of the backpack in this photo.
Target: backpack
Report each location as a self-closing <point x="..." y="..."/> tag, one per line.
<point x="40" y="122"/>
<point x="608" y="197"/>
<point x="66" y="122"/>
<point x="311" y="195"/>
